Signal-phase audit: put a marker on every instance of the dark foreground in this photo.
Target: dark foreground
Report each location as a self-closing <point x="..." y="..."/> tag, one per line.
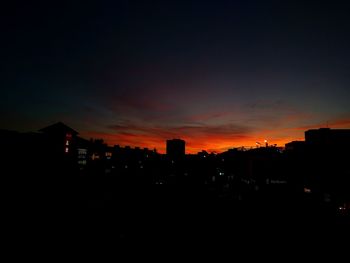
<point x="164" y="215"/>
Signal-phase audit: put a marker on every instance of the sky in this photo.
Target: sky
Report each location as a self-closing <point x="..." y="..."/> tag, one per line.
<point x="218" y="74"/>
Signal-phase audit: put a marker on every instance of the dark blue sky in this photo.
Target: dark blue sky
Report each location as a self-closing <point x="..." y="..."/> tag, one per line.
<point x="217" y="73"/>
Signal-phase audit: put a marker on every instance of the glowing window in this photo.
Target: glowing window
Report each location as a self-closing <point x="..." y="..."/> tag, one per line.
<point x="66" y="150"/>
<point x="95" y="156"/>
<point x="82" y="152"/>
<point x="307" y="190"/>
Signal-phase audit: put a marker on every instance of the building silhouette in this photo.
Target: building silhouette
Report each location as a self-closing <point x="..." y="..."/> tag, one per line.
<point x="320" y="164"/>
<point x="295" y="146"/>
<point x="328" y="138"/>
<point x="175" y="148"/>
<point x="62" y="138"/>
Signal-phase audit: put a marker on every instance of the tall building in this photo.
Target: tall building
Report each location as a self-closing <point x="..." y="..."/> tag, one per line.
<point x="175" y="148"/>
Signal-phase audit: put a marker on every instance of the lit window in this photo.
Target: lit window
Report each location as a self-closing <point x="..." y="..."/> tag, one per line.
<point x="82" y="152"/>
<point x="307" y="190"/>
<point x="66" y="150"/>
<point x="82" y="162"/>
<point x="67" y="143"/>
<point x="95" y="156"/>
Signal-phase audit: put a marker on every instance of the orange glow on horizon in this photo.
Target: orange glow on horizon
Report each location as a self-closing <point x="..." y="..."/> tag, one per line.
<point x="193" y="144"/>
<point x="209" y="138"/>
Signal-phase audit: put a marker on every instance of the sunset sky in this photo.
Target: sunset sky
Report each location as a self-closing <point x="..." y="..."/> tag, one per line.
<point x="218" y="74"/>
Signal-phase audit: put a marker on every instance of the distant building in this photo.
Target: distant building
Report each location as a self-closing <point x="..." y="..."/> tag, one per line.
<point x="175" y="148"/>
<point x="82" y="152"/>
<point x="328" y="138"/>
<point x="295" y="146"/>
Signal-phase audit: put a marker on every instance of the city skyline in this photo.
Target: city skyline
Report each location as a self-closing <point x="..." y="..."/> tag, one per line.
<point x="218" y="75"/>
<point x="177" y="148"/>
